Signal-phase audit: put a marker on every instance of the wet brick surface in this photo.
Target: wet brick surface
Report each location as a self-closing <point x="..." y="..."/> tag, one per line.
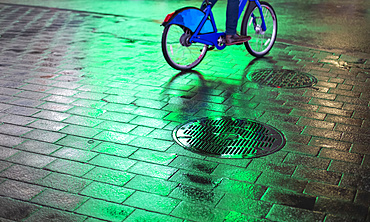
<point x="86" y="117"/>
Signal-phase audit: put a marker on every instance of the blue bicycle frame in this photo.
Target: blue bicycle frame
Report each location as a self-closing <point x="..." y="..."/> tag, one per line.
<point x="207" y="24"/>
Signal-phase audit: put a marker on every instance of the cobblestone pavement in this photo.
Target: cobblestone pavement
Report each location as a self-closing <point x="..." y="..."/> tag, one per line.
<point x="87" y="113"/>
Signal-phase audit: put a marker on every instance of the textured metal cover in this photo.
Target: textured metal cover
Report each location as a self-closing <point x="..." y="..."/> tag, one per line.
<point x="282" y="78"/>
<point x="227" y="137"/>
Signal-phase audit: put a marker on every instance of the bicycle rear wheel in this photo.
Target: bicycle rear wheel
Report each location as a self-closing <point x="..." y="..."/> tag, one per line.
<point x="262" y="41"/>
<point x="178" y="51"/>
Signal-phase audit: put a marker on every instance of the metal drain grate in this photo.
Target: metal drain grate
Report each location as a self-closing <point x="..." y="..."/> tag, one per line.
<point x="282" y="78"/>
<point x="227" y="137"/>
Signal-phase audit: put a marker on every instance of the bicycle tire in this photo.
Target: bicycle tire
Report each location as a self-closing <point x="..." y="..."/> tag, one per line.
<point x="179" y="53"/>
<point x="256" y="46"/>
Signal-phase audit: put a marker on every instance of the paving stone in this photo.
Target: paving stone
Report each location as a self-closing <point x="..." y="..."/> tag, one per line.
<point x="116" y="126"/>
<point x="43" y="135"/>
<point x="334" y="111"/>
<point x="91" y="219"/>
<point x="74" y="154"/>
<point x="341" y="208"/>
<point x="297" y="138"/>
<point x="142" y="215"/>
<point x="64" y="182"/>
<point x="346" y="167"/>
<point x="109" y="176"/>
<point x="7" y="152"/>
<point x="333" y="218"/>
<point x="104" y="210"/>
<point x="91" y="104"/>
<point x="152" y="202"/>
<point x="60" y="99"/>
<point x="233" y="162"/>
<point x="78" y="142"/>
<point x="86" y="111"/>
<point x="48" y="214"/>
<point x="366" y="161"/>
<point x="115" y="149"/>
<point x="289" y="198"/>
<point x="360" y="182"/>
<point x="240" y="204"/>
<point x="23" y="111"/>
<point x="114" y="137"/>
<point x="122" y="100"/>
<point x="151" y="185"/>
<point x="235" y="173"/>
<point x="80" y="131"/>
<point x="26" y="102"/>
<point x="328" y="134"/>
<point x="62" y="92"/>
<point x="150" y="122"/>
<point x="287" y="213"/>
<point x="153" y="156"/>
<point x="196" y="179"/>
<point x="141" y="130"/>
<point x="142" y="111"/>
<point x="83" y="121"/>
<point x="153" y="170"/>
<point x="31" y="159"/>
<point x="10" y="141"/>
<point x="15" y="210"/>
<point x="19" y="190"/>
<point x="312" y="174"/>
<point x="47" y="125"/>
<point x="354" y="137"/>
<point x="328" y="143"/>
<point x="149" y="103"/>
<point x="149" y="143"/>
<point x="246" y="190"/>
<point x="272" y="163"/>
<point x="107" y="192"/>
<point x="60" y="200"/>
<point x="344" y="120"/>
<point x="112" y="162"/>
<point x="17" y="120"/>
<point x="362" y="197"/>
<point x="199" y="212"/>
<point x="69" y="167"/>
<point x="316" y="123"/>
<point x="235" y="216"/>
<point x="308" y="161"/>
<point x="331" y="191"/>
<point x="281" y="181"/>
<point x="192" y="164"/>
<point x="342" y="156"/>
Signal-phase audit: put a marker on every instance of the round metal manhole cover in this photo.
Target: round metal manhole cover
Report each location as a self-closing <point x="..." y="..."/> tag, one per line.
<point x="227" y="137"/>
<point x="282" y="78"/>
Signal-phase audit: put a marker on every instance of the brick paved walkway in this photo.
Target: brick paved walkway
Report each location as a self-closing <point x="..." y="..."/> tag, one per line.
<point x="87" y="109"/>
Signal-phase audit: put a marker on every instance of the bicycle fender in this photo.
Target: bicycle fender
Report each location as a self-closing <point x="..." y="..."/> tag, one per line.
<point x="189" y="17"/>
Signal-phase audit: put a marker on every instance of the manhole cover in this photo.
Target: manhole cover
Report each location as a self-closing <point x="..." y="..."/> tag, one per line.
<point x="282" y="78"/>
<point x="227" y="137"/>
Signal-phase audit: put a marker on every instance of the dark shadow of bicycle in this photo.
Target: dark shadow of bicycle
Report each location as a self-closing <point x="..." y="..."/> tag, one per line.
<point x="211" y="96"/>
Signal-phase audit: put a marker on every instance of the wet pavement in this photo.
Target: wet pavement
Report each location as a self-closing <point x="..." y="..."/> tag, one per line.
<point x="341" y="26"/>
<point x="88" y="105"/>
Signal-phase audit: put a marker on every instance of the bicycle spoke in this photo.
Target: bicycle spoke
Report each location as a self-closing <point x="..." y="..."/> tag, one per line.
<point x="262" y="41"/>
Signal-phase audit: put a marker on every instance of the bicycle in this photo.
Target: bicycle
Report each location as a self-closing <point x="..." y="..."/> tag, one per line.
<point x="190" y="32"/>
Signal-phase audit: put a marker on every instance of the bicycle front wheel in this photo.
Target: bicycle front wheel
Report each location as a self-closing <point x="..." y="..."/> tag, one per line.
<point x="261" y="41"/>
<point x="178" y="51"/>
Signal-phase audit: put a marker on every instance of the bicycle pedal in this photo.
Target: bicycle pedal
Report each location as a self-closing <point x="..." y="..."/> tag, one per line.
<point x="211" y="48"/>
